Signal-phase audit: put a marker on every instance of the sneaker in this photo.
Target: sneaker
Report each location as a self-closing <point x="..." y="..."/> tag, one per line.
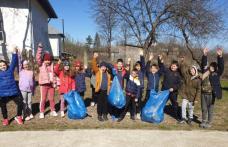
<point x="182" y="121"/>
<point x="100" y="118"/>
<point x="5" y="122"/>
<point x="62" y="114"/>
<point x="208" y="125"/>
<point x="41" y="115"/>
<point x="203" y="124"/>
<point x="92" y="104"/>
<point x="19" y="120"/>
<point x="28" y="118"/>
<point x="138" y="116"/>
<point x="53" y="113"/>
<point x="31" y="116"/>
<point x="189" y="121"/>
<point x="128" y="114"/>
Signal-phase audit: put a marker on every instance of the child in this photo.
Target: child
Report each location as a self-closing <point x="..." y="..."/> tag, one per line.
<point x="121" y="72"/>
<point x="153" y="74"/>
<point x="211" y="86"/>
<point x="9" y="89"/>
<point x="67" y="82"/>
<point x="132" y="95"/>
<point x="47" y="80"/>
<point x="189" y="91"/>
<point x="26" y="85"/>
<point x="171" y="82"/>
<point x="140" y="67"/>
<point x="102" y="87"/>
<point x="80" y="75"/>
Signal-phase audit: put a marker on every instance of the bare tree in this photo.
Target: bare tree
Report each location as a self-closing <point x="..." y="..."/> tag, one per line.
<point x="106" y="19"/>
<point x="149" y="19"/>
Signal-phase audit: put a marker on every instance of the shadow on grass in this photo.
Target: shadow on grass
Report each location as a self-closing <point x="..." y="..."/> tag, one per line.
<point x="170" y="111"/>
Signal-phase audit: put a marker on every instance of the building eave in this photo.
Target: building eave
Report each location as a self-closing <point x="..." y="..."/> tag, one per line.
<point x="46" y="5"/>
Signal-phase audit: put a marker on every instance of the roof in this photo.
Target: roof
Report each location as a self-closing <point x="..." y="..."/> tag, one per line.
<point x="46" y="5"/>
<point x="53" y="31"/>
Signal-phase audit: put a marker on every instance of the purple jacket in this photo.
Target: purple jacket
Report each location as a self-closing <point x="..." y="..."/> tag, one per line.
<point x="26" y="80"/>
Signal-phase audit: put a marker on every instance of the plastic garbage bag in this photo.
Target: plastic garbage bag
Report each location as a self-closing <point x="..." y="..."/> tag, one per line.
<point x="153" y="111"/>
<point x="76" y="107"/>
<point x="116" y="96"/>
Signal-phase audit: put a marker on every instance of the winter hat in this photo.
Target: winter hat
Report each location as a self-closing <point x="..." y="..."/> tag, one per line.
<point x="47" y="56"/>
<point x="25" y="62"/>
<point x="66" y="63"/>
<point x="103" y="64"/>
<point x="77" y="64"/>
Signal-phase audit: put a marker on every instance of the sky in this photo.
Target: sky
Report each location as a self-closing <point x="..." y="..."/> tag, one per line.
<point x="79" y="23"/>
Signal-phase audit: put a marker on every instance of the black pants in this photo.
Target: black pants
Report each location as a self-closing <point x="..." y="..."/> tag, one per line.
<point x="102" y="103"/>
<point x="173" y="98"/>
<point x="3" y="102"/>
<point x="139" y="103"/>
<point x="82" y="94"/>
<point x="130" y="105"/>
<point x="94" y="95"/>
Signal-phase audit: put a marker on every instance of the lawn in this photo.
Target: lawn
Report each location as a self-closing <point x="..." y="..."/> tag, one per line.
<point x="91" y="122"/>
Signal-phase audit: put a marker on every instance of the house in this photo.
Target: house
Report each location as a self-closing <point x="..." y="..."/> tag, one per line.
<point x="24" y="23"/>
<point x="56" y="41"/>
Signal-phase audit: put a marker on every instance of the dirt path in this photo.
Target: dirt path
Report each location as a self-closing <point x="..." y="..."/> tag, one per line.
<point x="114" y="138"/>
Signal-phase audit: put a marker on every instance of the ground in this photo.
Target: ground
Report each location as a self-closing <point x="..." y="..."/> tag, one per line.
<point x="114" y="138"/>
<point x="91" y="122"/>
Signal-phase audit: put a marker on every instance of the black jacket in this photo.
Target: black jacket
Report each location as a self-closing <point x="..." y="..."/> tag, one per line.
<point x="215" y="76"/>
<point x="172" y="79"/>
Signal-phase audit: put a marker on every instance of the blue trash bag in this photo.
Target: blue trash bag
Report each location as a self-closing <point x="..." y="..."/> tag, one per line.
<point x="153" y="111"/>
<point x="116" y="96"/>
<point x="76" y="107"/>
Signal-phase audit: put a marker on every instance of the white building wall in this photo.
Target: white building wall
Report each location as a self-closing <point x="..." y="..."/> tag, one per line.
<point x="15" y="18"/>
<point x="55" y="45"/>
<point x="18" y="27"/>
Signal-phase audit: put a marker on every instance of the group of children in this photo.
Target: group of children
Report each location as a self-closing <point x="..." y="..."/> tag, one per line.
<point x="189" y="82"/>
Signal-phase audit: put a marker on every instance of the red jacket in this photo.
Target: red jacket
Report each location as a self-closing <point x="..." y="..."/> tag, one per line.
<point x="67" y="83"/>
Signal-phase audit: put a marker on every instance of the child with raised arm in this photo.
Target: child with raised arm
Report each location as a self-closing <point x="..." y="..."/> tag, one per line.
<point x="67" y="82"/>
<point x="47" y="80"/>
<point x="102" y="87"/>
<point x="9" y="89"/>
<point x="211" y="86"/>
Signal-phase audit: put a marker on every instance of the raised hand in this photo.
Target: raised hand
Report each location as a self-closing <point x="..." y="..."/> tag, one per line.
<point x="219" y="52"/>
<point x="205" y="51"/>
<point x="95" y="55"/>
<point x="129" y="60"/>
<point x="151" y="56"/>
<point x="59" y="61"/>
<point x="141" y="52"/>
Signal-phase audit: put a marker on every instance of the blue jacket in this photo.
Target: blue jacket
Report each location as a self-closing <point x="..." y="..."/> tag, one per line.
<point x="214" y="77"/>
<point x="80" y="84"/>
<point x="153" y="79"/>
<point x="172" y="79"/>
<point x="8" y="85"/>
<point x="133" y="86"/>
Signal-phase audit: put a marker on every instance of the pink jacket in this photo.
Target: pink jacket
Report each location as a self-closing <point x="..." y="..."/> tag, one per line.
<point x="46" y="73"/>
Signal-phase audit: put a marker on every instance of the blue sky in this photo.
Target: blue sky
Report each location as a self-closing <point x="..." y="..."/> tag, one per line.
<point x="79" y="22"/>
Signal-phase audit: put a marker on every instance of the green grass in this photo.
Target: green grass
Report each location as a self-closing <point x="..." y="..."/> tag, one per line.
<point x="49" y="123"/>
